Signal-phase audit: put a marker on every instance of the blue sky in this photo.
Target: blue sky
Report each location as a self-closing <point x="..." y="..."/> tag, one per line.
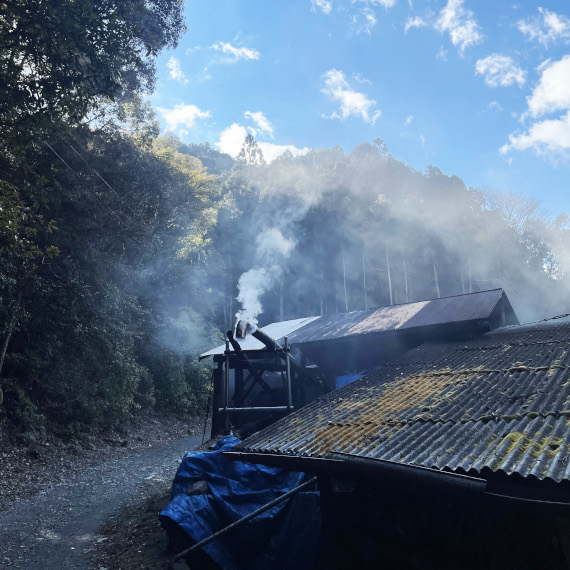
<point x="479" y="89"/>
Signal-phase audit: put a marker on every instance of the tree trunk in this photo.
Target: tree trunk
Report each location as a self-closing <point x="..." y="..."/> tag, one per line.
<point x="410" y="283"/>
<point x="344" y="278"/>
<point x="436" y="279"/>
<point x="11" y="326"/>
<point x="389" y="277"/>
<point x="226" y="315"/>
<point x="405" y="279"/>
<point x="364" y="280"/>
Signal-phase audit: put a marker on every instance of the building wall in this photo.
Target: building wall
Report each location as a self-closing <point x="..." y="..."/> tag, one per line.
<point x="373" y="528"/>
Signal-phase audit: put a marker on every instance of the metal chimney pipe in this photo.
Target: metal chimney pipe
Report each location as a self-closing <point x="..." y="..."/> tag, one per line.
<point x="243" y="327"/>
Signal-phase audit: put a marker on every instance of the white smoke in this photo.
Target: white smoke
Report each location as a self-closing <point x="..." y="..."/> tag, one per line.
<point x="272" y="243"/>
<point x="272" y="249"/>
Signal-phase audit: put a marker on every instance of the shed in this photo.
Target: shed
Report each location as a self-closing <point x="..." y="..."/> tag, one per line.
<point x="331" y="350"/>
<point x="487" y="418"/>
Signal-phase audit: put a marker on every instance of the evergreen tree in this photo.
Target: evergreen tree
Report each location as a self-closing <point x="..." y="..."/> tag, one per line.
<point x="250" y="152"/>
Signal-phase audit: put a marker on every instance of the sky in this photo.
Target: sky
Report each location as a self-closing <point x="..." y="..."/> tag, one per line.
<point x="479" y="89"/>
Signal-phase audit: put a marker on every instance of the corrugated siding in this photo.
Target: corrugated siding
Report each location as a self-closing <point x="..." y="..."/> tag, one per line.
<point x="501" y="402"/>
<point x="461" y="308"/>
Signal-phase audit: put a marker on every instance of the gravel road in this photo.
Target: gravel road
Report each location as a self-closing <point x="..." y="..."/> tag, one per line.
<point x="56" y="528"/>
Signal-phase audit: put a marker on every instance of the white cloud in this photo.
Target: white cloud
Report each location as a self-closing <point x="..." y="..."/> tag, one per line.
<point x="364" y="21"/>
<point x="352" y="103"/>
<point x="441" y="54"/>
<point x="415" y="22"/>
<point x="175" y="71"/>
<point x="182" y="117"/>
<point x="550" y="95"/>
<point x="231" y="141"/>
<point x="385" y="3"/>
<point x="409" y="119"/>
<point x="236" y="53"/>
<point x="360" y="79"/>
<point x="495" y="105"/>
<point x="553" y="90"/>
<point x="460" y="23"/>
<point x="546" y="28"/>
<point x="272" y="151"/>
<point x="500" y="70"/>
<point x="551" y="136"/>
<point x="324" y="5"/>
<point x="261" y="122"/>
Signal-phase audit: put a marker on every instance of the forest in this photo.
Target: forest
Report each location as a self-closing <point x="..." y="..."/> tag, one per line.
<point x="125" y="252"/>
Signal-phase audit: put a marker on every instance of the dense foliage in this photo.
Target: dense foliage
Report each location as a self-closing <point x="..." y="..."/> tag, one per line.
<point x="59" y="57"/>
<point x="91" y="214"/>
<point x="123" y="253"/>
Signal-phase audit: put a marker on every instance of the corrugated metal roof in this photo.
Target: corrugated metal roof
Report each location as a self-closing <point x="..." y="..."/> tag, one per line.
<point x="275" y="330"/>
<point x="460" y="308"/>
<point x="501" y="402"/>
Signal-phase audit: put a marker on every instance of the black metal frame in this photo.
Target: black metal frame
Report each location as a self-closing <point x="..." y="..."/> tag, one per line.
<point x="274" y="358"/>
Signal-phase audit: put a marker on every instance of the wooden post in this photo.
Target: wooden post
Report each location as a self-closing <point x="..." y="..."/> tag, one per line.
<point x="239" y="387"/>
<point x="216" y="399"/>
<point x="325" y="550"/>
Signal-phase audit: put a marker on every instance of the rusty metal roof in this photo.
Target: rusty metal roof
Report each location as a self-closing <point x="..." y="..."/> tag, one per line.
<point x="459" y="308"/>
<point x="498" y="403"/>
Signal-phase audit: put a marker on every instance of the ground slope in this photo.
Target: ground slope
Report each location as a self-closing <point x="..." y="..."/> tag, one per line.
<point x="56" y="528"/>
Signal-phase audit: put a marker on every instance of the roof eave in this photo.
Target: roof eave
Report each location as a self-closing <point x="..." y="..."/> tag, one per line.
<point x="405" y="477"/>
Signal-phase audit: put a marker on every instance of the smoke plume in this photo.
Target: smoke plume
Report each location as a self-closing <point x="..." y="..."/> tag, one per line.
<point x="272" y="249"/>
<point x="370" y="231"/>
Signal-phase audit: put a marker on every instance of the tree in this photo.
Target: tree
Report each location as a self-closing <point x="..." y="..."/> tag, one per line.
<point x="20" y="253"/>
<point x="57" y="57"/>
<point x="88" y="210"/>
<point x="250" y="152"/>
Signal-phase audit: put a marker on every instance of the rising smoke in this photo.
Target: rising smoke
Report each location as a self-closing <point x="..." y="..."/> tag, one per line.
<point x="369" y="230"/>
<point x="272" y="250"/>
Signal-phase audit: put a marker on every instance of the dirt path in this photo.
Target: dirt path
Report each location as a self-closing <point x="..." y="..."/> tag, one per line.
<point x="55" y="529"/>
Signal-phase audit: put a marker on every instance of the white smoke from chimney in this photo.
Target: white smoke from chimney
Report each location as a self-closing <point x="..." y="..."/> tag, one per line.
<point x="272" y="249"/>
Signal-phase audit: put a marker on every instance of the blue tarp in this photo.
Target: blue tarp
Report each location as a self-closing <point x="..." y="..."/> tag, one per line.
<point x="341" y="381"/>
<point x="283" y="537"/>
